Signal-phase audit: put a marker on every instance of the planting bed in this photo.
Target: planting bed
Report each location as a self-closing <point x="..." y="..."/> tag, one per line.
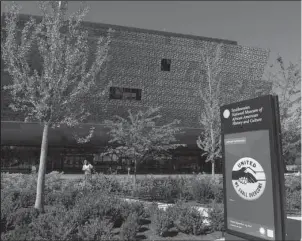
<point x="97" y="210"/>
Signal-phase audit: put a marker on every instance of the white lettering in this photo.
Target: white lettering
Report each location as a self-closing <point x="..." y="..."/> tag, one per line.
<point x="256" y="120"/>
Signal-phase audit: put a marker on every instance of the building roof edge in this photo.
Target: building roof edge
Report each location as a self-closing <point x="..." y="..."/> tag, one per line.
<point x="94" y="25"/>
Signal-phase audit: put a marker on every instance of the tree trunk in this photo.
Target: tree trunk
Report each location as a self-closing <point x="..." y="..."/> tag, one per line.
<point x="134" y="179"/>
<point x="135" y="174"/>
<point x="213" y="168"/>
<point x="213" y="150"/>
<point x="39" y="203"/>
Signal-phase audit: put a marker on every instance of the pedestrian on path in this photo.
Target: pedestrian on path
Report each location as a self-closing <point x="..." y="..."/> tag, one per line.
<point x="87" y="168"/>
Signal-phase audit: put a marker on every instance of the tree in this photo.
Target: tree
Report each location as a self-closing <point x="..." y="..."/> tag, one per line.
<point x="55" y="93"/>
<point x="287" y="85"/>
<point x="138" y="137"/>
<point x="209" y="89"/>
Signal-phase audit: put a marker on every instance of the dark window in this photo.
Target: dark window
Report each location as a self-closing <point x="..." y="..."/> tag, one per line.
<point x="116" y="93"/>
<point x="165" y="64"/>
<point x="125" y="93"/>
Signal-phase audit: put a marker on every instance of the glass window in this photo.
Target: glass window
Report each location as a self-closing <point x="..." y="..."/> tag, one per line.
<point x="165" y="64"/>
<point x="125" y="93"/>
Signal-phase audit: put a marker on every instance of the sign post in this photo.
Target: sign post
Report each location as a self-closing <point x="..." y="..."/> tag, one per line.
<point x="253" y="170"/>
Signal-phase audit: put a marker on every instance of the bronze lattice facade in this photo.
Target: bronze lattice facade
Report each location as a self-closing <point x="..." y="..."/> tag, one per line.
<point x="136" y="63"/>
<point x="154" y="68"/>
<point x="137" y="57"/>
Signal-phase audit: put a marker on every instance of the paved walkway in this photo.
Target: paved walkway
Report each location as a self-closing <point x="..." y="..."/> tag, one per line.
<point x="78" y="176"/>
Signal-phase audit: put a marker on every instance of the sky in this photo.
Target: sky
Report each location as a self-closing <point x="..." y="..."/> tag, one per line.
<point x="273" y="25"/>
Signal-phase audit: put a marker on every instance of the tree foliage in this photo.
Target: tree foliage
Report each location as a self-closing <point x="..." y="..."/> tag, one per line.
<point x="287" y="85"/>
<point x="55" y="92"/>
<point x="210" y="94"/>
<point x="139" y="138"/>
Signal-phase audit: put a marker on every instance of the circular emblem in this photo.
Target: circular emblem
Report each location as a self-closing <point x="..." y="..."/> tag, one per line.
<point x="262" y="231"/>
<point x="248" y="178"/>
<point x="226" y="113"/>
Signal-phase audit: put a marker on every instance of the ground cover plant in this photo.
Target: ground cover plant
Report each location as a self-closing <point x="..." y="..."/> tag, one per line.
<point x="75" y="210"/>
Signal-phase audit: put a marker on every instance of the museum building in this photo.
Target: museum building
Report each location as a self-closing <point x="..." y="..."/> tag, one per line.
<point x="147" y="68"/>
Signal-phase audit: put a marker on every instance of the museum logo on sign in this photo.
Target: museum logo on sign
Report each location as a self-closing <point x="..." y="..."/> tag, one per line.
<point x="248" y="178"/>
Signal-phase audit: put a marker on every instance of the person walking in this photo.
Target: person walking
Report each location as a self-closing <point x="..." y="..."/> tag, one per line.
<point x="87" y="168"/>
<point x="33" y="169"/>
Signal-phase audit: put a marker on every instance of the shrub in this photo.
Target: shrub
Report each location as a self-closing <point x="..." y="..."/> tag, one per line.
<point x="57" y="224"/>
<point x="185" y="186"/>
<point x="145" y="189"/>
<point x="151" y="209"/>
<point x="130" y="227"/>
<point x="293" y="202"/>
<point x="95" y="229"/>
<point x="14" y="199"/>
<point x="18" y="181"/>
<point x="163" y="189"/>
<point x="126" y="186"/>
<point x="66" y="198"/>
<point x="216" y="216"/>
<point x="176" y="210"/>
<point x="162" y="222"/>
<point x="202" y="190"/>
<point x="21" y="233"/>
<point x="135" y="207"/>
<point x="190" y="221"/>
<point x="170" y="189"/>
<point x="53" y="181"/>
<point x="21" y="217"/>
<point x="292" y="183"/>
<point x="106" y="183"/>
<point x="98" y="205"/>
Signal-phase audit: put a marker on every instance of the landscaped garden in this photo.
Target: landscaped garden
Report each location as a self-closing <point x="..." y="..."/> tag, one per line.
<point x="101" y="210"/>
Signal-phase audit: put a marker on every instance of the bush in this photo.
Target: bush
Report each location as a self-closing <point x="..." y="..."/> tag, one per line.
<point x="53" y="181"/>
<point x="19" y="181"/>
<point x="292" y="183"/>
<point x="135" y="207"/>
<point x="190" y="221"/>
<point x="21" y="217"/>
<point x="12" y="200"/>
<point x="293" y="194"/>
<point x="163" y="189"/>
<point x="98" y="205"/>
<point x="66" y="198"/>
<point x="162" y="222"/>
<point x="21" y="233"/>
<point x="130" y="227"/>
<point x="176" y="210"/>
<point x="58" y="224"/>
<point x="106" y="184"/>
<point x="202" y="190"/>
<point x="185" y="186"/>
<point x="216" y="216"/>
<point x="95" y="229"/>
<point x="293" y="202"/>
<point x="151" y="209"/>
<point x="7" y="204"/>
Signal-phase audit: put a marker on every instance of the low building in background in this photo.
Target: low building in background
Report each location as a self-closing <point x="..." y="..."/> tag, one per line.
<point x="147" y="68"/>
